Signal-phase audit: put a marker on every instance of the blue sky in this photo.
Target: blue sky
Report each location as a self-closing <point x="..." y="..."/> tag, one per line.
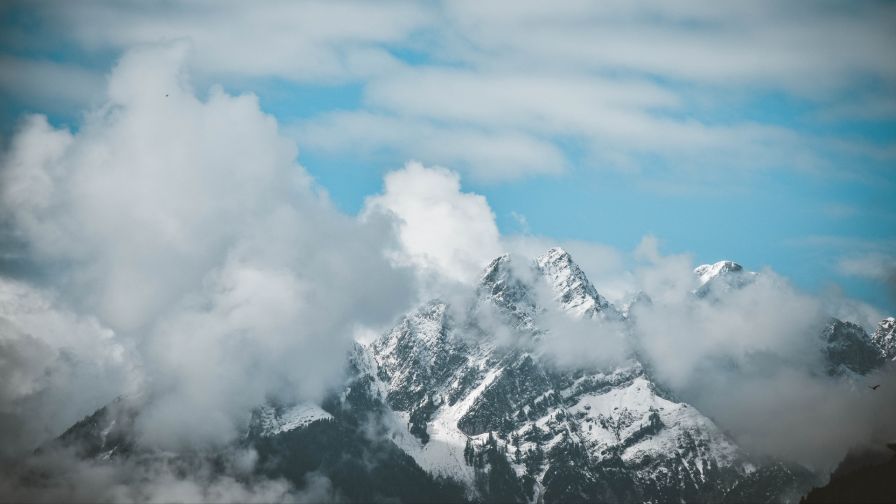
<point x="764" y="134"/>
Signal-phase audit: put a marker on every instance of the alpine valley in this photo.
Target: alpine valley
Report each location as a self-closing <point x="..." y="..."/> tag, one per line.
<point x="467" y="402"/>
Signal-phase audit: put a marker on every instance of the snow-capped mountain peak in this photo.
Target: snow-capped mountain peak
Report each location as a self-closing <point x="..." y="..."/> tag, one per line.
<point x="707" y="272"/>
<point x="270" y="421"/>
<point x="721" y="277"/>
<point x="460" y="396"/>
<point x="571" y="287"/>
<point x="502" y="285"/>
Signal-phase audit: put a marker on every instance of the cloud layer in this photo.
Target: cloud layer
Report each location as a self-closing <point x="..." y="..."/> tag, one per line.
<point x="501" y="91"/>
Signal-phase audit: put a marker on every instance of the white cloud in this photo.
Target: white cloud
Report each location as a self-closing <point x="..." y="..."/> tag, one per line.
<point x="55" y="366"/>
<point x="300" y="41"/>
<point x="490" y="155"/>
<point x="442" y="229"/>
<point x="499" y="90"/>
<point x="765" y="43"/>
<point x="875" y="265"/>
<point x="187" y="228"/>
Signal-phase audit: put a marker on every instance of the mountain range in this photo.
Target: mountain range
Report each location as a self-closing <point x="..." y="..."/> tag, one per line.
<point x="468" y="402"/>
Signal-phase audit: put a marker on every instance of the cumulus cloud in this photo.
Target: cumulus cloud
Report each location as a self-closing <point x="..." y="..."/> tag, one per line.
<point x="442" y="229"/>
<point x="186" y="227"/>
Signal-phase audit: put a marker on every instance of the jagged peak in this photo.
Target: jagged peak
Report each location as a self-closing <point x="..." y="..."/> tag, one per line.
<point x="575" y="293"/>
<point x="721" y="277"/>
<point x="496" y="264"/>
<point x="707" y="272"/>
<point x="849" y="349"/>
<point x="884" y="338"/>
<point x="640" y="298"/>
<point x="554" y="253"/>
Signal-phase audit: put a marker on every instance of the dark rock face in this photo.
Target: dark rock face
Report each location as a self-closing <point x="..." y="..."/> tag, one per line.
<point x="360" y="469"/>
<point x="848" y="347"/>
<point x="347" y="443"/>
<point x="107" y="433"/>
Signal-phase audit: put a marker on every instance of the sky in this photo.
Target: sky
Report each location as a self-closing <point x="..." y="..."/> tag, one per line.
<point x="764" y="134"/>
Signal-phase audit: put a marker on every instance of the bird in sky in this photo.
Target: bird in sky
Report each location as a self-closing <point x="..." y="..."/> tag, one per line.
<point x="874" y="387"/>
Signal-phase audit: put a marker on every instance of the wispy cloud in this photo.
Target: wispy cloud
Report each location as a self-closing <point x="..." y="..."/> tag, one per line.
<point x="498" y="90"/>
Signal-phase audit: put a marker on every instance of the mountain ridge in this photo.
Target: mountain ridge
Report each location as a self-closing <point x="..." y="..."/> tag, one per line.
<point x="464" y="402"/>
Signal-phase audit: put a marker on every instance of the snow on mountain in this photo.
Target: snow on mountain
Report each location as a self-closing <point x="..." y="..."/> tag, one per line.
<point x="273" y="421"/>
<point x="640" y="424"/>
<point x="458" y="391"/>
<point x="574" y="292"/>
<point x="465" y="393"/>
<point x="506" y="290"/>
<point x="721" y="277"/>
<point x="707" y="272"/>
<point x="884" y="338"/>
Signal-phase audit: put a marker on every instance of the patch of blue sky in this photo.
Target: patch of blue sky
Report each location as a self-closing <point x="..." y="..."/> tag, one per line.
<point x="289" y="101"/>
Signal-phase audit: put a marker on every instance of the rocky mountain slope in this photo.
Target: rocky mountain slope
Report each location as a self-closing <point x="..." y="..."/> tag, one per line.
<point x="611" y="434"/>
<point x="468" y="403"/>
<point x="884" y="338"/>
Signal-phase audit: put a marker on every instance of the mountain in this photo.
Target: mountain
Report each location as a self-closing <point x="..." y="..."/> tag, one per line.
<point x="884" y="338"/>
<point x="467" y="402"/>
<point x="721" y="277"/>
<point x="610" y="434"/>
<point x="848" y="348"/>
<point x="344" y="439"/>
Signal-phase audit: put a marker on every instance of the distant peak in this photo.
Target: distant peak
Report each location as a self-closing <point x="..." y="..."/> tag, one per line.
<point x="707" y="272"/>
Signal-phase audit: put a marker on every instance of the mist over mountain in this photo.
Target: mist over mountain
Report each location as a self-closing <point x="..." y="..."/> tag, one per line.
<point x="186" y="315"/>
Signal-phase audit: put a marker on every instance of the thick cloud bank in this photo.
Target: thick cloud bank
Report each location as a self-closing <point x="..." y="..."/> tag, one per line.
<point x="182" y="229"/>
